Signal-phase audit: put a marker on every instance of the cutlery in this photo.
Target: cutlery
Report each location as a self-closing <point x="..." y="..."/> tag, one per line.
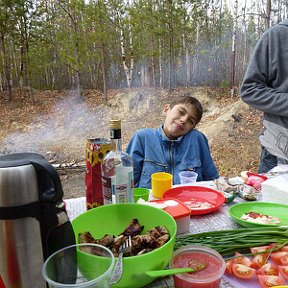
<point x="118" y="269"/>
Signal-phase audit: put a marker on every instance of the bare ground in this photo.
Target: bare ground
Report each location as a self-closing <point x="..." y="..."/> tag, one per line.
<point x="57" y="124"/>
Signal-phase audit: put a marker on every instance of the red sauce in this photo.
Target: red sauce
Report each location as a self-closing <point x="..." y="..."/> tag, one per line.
<point x="199" y="279"/>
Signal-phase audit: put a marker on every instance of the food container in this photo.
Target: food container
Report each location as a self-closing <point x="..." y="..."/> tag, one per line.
<point x="178" y="210"/>
<point x="275" y="189"/>
<point x="209" y="263"/>
<point x="96" y="150"/>
<point x="113" y="219"/>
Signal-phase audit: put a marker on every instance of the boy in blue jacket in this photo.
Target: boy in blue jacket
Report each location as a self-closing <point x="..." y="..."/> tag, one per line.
<point x="174" y="147"/>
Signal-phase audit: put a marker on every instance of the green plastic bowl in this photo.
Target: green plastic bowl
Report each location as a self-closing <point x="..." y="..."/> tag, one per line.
<point x="113" y="219"/>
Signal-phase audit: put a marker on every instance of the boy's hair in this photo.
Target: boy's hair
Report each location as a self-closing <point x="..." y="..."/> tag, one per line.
<point x="187" y="99"/>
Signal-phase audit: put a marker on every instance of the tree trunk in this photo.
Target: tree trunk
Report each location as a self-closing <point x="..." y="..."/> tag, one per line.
<point x="7" y="68"/>
<point x="128" y="71"/>
<point x="160" y="64"/>
<point x="104" y="71"/>
<point x="170" y="30"/>
<point x="233" y="52"/>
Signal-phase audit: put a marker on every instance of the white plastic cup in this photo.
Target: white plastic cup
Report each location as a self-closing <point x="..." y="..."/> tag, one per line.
<point x="188" y="177"/>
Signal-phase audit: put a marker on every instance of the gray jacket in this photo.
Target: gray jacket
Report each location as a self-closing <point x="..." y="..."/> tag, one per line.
<point x="265" y="87"/>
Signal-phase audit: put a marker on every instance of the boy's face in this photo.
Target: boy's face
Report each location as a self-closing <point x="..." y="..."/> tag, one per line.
<point x="180" y="119"/>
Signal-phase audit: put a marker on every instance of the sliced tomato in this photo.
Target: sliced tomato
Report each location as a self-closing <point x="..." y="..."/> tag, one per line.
<point x="241" y="259"/>
<point x="275" y="246"/>
<point x="268" y="269"/>
<point x="277" y="256"/>
<point x="284" y="260"/>
<point x="283" y="271"/>
<point x="266" y="281"/>
<point x="259" y="260"/>
<point x="242" y="271"/>
<point x="229" y="264"/>
<point x="284" y="248"/>
<point x="260" y="249"/>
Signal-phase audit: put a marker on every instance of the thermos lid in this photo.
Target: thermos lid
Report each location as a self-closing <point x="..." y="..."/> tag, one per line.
<point x="18" y="159"/>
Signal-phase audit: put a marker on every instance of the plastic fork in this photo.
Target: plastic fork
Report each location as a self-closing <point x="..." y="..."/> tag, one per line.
<point x="118" y="269"/>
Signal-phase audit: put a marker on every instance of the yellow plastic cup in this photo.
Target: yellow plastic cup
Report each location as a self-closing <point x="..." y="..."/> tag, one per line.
<point x="160" y="182"/>
<point x="142" y="193"/>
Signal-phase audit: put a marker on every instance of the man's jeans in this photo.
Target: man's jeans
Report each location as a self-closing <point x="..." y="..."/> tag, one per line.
<point x="267" y="161"/>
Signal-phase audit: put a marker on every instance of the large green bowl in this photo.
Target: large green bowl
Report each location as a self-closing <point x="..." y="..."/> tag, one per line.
<point x="113" y="219"/>
<point x="273" y="209"/>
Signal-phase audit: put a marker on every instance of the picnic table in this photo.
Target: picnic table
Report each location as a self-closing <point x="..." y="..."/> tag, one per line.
<point x="217" y="220"/>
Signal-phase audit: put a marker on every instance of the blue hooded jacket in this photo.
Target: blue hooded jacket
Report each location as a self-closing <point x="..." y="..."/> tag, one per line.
<point x="153" y="152"/>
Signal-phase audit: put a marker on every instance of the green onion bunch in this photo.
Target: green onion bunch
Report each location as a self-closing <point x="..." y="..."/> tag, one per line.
<point x="227" y="242"/>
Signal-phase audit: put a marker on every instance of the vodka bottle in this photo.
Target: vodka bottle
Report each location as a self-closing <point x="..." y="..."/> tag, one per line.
<point x="117" y="170"/>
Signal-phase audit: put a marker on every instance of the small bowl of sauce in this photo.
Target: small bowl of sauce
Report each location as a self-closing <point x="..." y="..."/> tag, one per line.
<point x="208" y="264"/>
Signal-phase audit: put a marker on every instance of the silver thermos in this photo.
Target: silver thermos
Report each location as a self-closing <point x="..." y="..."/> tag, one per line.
<point x="33" y="220"/>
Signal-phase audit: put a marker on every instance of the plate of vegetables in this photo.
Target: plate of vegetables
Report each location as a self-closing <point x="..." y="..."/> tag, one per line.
<point x="253" y="214"/>
<point x="266" y="267"/>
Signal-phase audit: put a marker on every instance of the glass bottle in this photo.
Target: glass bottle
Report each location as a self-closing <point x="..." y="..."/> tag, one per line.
<point x="117" y="170"/>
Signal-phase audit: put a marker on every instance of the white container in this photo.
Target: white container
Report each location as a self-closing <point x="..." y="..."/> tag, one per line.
<point x="275" y="189"/>
<point x="178" y="210"/>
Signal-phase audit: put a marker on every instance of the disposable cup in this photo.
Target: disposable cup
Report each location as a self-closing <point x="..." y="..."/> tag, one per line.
<point x="188" y="177"/>
<point x="142" y="193"/>
<point x="80" y="265"/>
<point x="160" y="183"/>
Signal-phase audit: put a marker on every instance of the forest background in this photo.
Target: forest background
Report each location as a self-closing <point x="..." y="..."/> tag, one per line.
<point x="68" y="66"/>
<point x="108" y="44"/>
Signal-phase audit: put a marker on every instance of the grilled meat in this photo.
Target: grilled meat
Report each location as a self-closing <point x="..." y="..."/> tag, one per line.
<point x="106" y="241"/>
<point x="134" y="228"/>
<point x="154" y="238"/>
<point x="158" y="231"/>
<point x="162" y="240"/>
<point x="86" y="237"/>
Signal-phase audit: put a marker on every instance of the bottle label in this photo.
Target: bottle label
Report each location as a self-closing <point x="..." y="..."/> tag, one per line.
<point x="121" y="193"/>
<point x="107" y="189"/>
<point x="118" y="188"/>
<point x="124" y="185"/>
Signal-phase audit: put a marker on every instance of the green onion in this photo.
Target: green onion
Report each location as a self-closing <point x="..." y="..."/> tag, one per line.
<point x="227" y="242"/>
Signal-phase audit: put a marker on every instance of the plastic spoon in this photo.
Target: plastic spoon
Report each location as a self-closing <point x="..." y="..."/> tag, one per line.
<point x="167" y="272"/>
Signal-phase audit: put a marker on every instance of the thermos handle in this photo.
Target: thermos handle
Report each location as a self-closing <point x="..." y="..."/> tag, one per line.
<point x="44" y="169"/>
<point x="56" y="229"/>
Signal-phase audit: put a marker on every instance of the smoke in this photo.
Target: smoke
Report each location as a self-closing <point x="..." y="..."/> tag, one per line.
<point x="71" y="121"/>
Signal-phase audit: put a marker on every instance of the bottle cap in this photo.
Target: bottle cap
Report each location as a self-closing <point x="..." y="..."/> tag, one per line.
<point x="115" y="124"/>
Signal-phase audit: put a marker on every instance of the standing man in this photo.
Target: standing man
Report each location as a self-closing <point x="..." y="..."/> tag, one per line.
<point x="265" y="87"/>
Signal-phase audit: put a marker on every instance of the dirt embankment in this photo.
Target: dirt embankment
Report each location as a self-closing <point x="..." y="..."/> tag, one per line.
<point x="58" y="124"/>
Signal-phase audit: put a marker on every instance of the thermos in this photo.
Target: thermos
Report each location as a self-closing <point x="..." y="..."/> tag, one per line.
<point x="33" y="220"/>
